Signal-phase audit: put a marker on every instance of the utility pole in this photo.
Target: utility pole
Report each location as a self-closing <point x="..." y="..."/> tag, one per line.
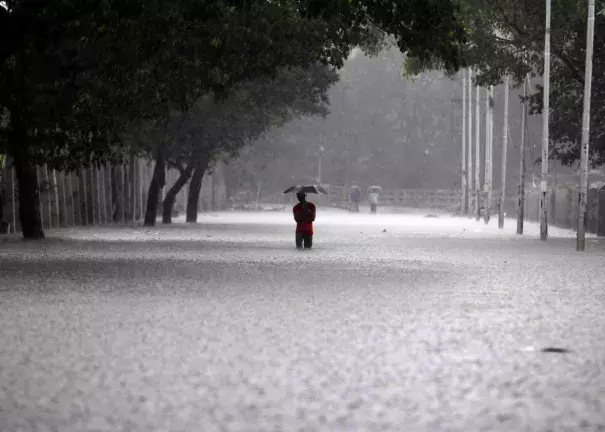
<point x="319" y="153"/>
<point x="469" y="147"/>
<point x="487" y="167"/>
<point x="504" y="149"/>
<point x="491" y="149"/>
<point x="464" y="202"/>
<point x="545" y="117"/>
<point x="521" y="189"/>
<point x="321" y="149"/>
<point x="477" y="155"/>
<point x="581" y="240"/>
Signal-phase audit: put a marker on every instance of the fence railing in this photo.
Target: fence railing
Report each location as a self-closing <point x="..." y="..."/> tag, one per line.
<point x="108" y="194"/>
<point x="98" y="195"/>
<point x="442" y="199"/>
<point x="338" y="196"/>
<point x="562" y="203"/>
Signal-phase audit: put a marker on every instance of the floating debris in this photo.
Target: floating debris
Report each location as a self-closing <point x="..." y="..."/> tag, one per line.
<point x="555" y="350"/>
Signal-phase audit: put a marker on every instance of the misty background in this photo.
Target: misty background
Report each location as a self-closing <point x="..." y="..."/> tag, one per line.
<point x="383" y="128"/>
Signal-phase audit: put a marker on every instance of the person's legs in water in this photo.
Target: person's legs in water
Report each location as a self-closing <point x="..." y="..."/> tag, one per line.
<point x="299" y="240"/>
<point x="308" y="241"/>
<point x="373" y="208"/>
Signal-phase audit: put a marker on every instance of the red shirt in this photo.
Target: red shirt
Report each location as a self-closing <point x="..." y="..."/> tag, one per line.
<point x="304" y="215"/>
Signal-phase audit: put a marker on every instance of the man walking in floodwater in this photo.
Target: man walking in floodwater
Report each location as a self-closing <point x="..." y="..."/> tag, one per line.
<point x="304" y="215"/>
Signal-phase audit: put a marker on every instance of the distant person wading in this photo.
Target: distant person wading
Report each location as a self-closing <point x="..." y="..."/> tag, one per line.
<point x="373" y="199"/>
<point x="354" y="198"/>
<point x="304" y="215"/>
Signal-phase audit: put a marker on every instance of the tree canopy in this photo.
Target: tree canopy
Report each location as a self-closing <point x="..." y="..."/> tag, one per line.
<point x="77" y="76"/>
<point x="383" y="128"/>
<point x="507" y="38"/>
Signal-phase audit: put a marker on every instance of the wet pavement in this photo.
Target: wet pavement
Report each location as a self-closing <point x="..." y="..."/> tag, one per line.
<point x="391" y="323"/>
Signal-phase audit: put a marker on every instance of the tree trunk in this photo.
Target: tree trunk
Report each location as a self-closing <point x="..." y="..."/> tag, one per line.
<point x="157" y="183"/>
<point x="170" y="197"/>
<point x="194" y="190"/>
<point x="29" y="199"/>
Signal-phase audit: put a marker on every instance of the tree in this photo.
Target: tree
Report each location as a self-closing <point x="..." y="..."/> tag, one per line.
<point x="218" y="129"/>
<point x="76" y="75"/>
<point x="67" y="87"/>
<point x="278" y="37"/>
<point x="506" y="37"/>
<point x="64" y="83"/>
<point x="329" y="33"/>
<point x="382" y="128"/>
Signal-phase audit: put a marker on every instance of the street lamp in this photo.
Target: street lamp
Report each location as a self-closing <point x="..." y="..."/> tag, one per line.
<point x="319" y="153"/>
<point x="584" y="154"/>
<point x="545" y="118"/>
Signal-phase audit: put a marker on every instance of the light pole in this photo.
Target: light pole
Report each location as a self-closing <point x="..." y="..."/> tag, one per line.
<point x="581" y="240"/>
<point x="319" y="153"/>
<point x="521" y="190"/>
<point x="504" y="150"/>
<point x="491" y="150"/>
<point x="469" y="147"/>
<point x="545" y="117"/>
<point x="464" y="202"/>
<point x="488" y="158"/>
<point x="477" y="209"/>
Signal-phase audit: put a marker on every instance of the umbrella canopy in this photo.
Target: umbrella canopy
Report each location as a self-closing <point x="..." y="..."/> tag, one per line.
<point x="313" y="189"/>
<point x="374" y="189"/>
<point x="354" y="187"/>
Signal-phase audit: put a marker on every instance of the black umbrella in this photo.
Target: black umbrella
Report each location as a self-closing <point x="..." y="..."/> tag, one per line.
<point x="314" y="189"/>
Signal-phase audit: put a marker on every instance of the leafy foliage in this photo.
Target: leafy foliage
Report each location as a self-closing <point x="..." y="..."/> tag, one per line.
<point x="380" y="129"/>
<point x="81" y="80"/>
<point x="76" y="71"/>
<point x="219" y="128"/>
<point x="105" y="69"/>
<point x="507" y="38"/>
